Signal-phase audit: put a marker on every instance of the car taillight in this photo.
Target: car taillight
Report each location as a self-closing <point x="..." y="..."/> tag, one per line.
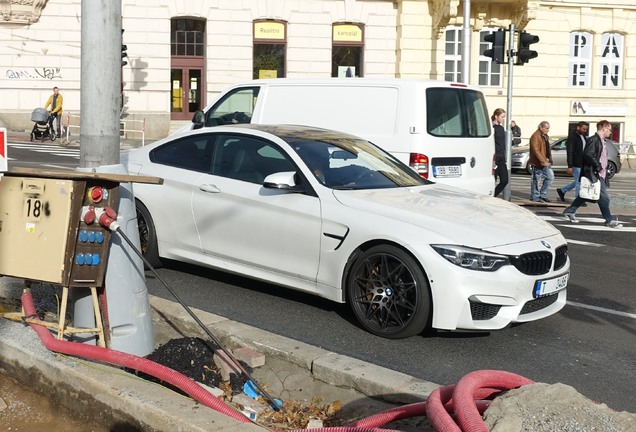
<point x="419" y="163"/>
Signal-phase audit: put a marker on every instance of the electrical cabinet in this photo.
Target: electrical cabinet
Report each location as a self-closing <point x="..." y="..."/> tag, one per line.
<point x="50" y="227"/>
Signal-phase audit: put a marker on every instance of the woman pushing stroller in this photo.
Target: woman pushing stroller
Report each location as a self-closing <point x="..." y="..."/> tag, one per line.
<point x="55" y="102"/>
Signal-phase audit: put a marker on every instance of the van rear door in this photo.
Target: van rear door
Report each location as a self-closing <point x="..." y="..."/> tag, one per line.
<point x="458" y="147"/>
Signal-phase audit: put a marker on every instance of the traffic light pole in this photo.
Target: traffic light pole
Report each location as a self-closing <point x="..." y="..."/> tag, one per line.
<point x="511" y="46"/>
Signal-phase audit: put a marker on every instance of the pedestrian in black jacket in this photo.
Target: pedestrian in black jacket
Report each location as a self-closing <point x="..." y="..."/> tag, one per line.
<point x="595" y="168"/>
<point x="574" y="147"/>
<point x="498" y="118"/>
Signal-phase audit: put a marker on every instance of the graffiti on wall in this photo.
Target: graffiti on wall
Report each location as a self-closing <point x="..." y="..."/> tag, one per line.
<point x="37" y="73"/>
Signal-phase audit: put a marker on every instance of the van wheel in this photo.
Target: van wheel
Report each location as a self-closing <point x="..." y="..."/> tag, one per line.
<point x="389" y="293"/>
<point x="147" y="236"/>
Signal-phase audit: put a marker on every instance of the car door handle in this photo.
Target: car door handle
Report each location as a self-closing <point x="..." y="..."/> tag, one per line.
<point x="209" y="188"/>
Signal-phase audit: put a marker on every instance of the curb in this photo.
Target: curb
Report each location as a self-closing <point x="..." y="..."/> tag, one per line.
<point x="326" y="366"/>
<point x="111" y="396"/>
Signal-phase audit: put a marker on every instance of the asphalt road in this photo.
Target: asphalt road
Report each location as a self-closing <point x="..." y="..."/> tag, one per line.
<point x="590" y="345"/>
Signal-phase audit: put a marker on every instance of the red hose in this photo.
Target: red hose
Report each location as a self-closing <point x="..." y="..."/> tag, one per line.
<point x="468" y="417"/>
<point x="467" y="400"/>
<point x="130" y="361"/>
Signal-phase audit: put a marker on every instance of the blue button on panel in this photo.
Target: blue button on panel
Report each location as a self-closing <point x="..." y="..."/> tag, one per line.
<point x="99" y="237"/>
<point x="88" y="258"/>
<point x="79" y="259"/>
<point x="91" y="236"/>
<point x="95" y="259"/>
<point x="83" y="236"/>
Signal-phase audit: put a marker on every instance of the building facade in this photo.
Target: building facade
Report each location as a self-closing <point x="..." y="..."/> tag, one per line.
<point x="181" y="54"/>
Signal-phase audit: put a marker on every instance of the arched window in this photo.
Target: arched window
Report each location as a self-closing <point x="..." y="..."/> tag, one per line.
<point x="580" y="61"/>
<point x="611" y="64"/>
<point x="270" y="49"/>
<point x="187" y="37"/>
<point x="347" y="50"/>
<point x="453" y="54"/>
<point x="489" y="71"/>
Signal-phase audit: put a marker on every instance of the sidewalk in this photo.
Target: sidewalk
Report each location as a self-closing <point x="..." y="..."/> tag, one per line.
<point x="294" y="370"/>
<point x="24" y="137"/>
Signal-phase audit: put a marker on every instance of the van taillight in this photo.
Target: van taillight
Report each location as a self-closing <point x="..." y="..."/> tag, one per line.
<point x="419" y="163"/>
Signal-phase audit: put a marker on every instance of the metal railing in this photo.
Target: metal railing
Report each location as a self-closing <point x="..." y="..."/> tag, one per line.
<point x="128" y="126"/>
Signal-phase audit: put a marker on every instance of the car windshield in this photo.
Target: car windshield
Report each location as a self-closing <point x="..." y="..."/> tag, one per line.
<point x="350" y="163"/>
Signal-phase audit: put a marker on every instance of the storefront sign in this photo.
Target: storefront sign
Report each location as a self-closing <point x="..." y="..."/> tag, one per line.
<point x="347" y="33"/>
<point x="269" y="30"/>
<point x="598" y="108"/>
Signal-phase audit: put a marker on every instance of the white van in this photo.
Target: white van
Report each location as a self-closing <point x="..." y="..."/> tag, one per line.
<point x="441" y="129"/>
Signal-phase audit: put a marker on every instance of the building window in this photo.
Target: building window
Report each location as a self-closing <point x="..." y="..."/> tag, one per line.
<point x="346" y="50"/>
<point x="489" y="71"/>
<point x="270" y="49"/>
<point x="611" y="64"/>
<point x="453" y="55"/>
<point x="580" y="59"/>
<point x="187" y="37"/>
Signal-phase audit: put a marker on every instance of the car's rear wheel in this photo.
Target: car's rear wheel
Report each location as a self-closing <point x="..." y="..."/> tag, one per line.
<point x="611" y="169"/>
<point x="389" y="293"/>
<point x="147" y="235"/>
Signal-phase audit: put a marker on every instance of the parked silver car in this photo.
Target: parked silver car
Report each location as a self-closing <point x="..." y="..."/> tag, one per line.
<point x="521" y="154"/>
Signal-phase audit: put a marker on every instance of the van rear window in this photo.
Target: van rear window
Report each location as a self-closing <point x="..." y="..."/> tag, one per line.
<point x="456" y="112"/>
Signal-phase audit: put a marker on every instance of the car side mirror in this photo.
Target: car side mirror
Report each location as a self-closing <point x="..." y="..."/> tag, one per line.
<point x="198" y="119"/>
<point x="283" y="180"/>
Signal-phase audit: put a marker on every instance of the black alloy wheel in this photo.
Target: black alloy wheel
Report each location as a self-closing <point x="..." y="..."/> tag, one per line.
<point x="147" y="235"/>
<point x="611" y="169"/>
<point x="389" y="293"/>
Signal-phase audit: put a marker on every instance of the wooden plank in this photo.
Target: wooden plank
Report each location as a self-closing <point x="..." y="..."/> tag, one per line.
<point x="81" y="175"/>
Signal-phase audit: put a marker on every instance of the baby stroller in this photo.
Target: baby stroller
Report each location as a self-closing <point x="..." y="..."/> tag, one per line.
<point x="43" y="127"/>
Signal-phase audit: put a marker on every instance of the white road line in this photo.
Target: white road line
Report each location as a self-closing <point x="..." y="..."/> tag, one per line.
<point x="600" y="309"/>
<point x="584" y="243"/>
<point x="74" y="155"/>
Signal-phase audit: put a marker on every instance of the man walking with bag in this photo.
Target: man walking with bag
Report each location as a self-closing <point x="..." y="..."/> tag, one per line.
<point x="595" y="169"/>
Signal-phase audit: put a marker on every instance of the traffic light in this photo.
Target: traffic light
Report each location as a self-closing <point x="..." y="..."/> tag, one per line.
<point x="498" y="50"/>
<point x="124" y="55"/>
<point x="524" y="53"/>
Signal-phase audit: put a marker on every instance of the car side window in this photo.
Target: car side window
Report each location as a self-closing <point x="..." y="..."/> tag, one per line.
<point x="248" y="159"/>
<point x="235" y="107"/>
<point x="193" y="153"/>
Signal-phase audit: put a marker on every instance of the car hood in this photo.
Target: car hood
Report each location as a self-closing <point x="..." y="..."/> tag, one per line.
<point x="462" y="217"/>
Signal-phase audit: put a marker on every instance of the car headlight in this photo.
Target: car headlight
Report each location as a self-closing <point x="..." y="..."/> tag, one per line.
<point x="471" y="259"/>
<point x="520" y="155"/>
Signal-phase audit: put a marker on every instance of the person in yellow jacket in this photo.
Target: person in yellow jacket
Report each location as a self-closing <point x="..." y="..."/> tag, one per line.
<point x="55" y="102"/>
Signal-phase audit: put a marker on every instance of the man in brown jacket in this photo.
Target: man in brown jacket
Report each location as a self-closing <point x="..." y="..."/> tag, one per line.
<point x="541" y="162"/>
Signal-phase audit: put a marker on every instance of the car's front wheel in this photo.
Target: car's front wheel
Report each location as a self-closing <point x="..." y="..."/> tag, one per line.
<point x="389" y="293"/>
<point x="147" y="235"/>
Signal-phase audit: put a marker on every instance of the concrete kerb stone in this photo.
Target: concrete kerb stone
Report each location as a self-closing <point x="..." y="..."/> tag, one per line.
<point x="105" y="393"/>
<point x="328" y="367"/>
<point x="371" y="380"/>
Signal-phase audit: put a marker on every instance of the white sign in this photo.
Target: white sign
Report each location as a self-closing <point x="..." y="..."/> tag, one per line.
<point x="598" y="108"/>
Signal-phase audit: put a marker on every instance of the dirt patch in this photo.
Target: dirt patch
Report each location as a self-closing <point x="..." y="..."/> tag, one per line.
<point x="22" y="409"/>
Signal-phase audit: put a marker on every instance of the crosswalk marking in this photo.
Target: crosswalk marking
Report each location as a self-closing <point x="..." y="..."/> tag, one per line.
<point x="56" y="150"/>
<point x="597" y="223"/>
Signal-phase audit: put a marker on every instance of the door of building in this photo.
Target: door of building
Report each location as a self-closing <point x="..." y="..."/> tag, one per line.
<point x="187" y="89"/>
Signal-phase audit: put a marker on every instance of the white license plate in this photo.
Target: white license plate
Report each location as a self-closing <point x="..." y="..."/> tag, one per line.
<point x="549" y="286"/>
<point x="447" y="170"/>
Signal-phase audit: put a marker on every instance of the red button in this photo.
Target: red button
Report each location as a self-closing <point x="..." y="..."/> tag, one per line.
<point x="96" y="194"/>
